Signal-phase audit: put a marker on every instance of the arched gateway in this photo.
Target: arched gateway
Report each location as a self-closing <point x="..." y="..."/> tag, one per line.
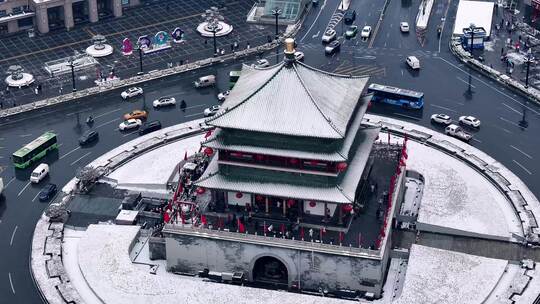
<point x="270" y="271"/>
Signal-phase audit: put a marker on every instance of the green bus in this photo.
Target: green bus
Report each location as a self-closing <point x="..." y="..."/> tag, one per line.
<point x="233" y="78"/>
<point x="35" y="150"/>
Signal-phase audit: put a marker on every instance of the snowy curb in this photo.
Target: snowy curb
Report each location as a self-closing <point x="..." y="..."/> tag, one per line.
<point x="46" y="265"/>
<point x="525" y="204"/>
<point x="457" y="49"/>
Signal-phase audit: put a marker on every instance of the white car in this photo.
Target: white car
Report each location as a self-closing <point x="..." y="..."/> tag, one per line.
<point x="404" y="27"/>
<point x="211" y="111"/>
<point x="366" y="32"/>
<point x="262" y="63"/>
<point x="470" y="121"/>
<point x="223" y="95"/>
<point x="130" y="124"/>
<point x="457" y="132"/>
<point x="299" y="56"/>
<point x="441" y="118"/>
<point x="413" y="62"/>
<point x="132" y="92"/>
<point x="164" y="101"/>
<point x="328" y="36"/>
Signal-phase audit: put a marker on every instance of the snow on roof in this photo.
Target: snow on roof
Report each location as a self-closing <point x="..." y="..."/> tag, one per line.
<point x="221" y="139"/>
<point x="296" y="100"/>
<point x="155" y="167"/>
<point x="479" y="13"/>
<point x="447" y="277"/>
<point x="458" y="197"/>
<point x="103" y="256"/>
<point x="532" y="291"/>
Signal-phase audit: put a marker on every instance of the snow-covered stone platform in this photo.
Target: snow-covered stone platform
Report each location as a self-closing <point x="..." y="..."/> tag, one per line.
<point x="444" y="277"/>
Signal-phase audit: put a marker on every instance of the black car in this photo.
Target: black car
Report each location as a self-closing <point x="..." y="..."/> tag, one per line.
<point x="88" y="137"/>
<point x="349" y="16"/>
<point x="150" y="127"/>
<point x="47" y="192"/>
<point x="333" y="47"/>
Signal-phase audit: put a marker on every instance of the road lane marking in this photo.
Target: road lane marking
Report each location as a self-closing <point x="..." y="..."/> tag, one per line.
<point x="406" y="116"/>
<point x="13" y="235"/>
<point x="108" y="122"/>
<point x="196" y="106"/>
<point x="444" y="108"/>
<point x="315" y="21"/>
<point x="12" y="179"/>
<point x="522" y="167"/>
<point x="70" y="152"/>
<point x="78" y="159"/>
<point x="191" y="115"/>
<point x="107" y="113"/>
<point x="35" y="197"/>
<point x="24" y="188"/>
<point x="11" y="283"/>
<point x="316" y="35"/>
<point x="500" y="91"/>
<point x="510" y="122"/>
<point x="128" y="134"/>
<point x="512" y="109"/>
<point x="472" y="86"/>
<point x="78" y="112"/>
<point x="25" y="135"/>
<point x="520" y="151"/>
<point x="477" y="140"/>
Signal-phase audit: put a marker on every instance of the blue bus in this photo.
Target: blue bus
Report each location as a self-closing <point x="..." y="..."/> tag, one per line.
<point x="396" y="96"/>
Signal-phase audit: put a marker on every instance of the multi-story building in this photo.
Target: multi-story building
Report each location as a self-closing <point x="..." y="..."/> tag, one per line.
<point x="17" y="15"/>
<point x="289" y="196"/>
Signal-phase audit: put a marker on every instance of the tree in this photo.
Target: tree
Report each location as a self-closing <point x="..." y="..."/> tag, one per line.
<point x="87" y="176"/>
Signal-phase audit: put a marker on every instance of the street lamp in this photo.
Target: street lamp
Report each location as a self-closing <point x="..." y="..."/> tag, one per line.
<point x="472" y="27"/>
<point x="71" y="64"/>
<point x="212" y="17"/>
<point x="139" y="48"/>
<point x="529" y="57"/>
<point x="276" y="12"/>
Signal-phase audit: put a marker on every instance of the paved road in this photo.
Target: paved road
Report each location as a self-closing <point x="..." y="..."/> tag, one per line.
<point x="449" y="87"/>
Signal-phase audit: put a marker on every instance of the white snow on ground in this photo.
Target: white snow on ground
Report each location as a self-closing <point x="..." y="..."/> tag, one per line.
<point x="498" y="294"/>
<point x="446" y="277"/>
<point x="71" y="265"/>
<point x="532" y="292"/>
<point x="156" y="166"/>
<point x="456" y="196"/>
<point x="104" y="261"/>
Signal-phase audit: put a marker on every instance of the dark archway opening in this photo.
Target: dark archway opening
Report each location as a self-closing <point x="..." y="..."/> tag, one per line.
<point x="270" y="271"/>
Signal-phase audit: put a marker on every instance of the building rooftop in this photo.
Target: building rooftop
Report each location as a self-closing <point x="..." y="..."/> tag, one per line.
<point x="285" y="146"/>
<point x="293" y="99"/>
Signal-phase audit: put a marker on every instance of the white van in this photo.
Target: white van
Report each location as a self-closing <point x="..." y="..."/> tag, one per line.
<point x="205" y="81"/>
<point x="413" y="62"/>
<point x="39" y="173"/>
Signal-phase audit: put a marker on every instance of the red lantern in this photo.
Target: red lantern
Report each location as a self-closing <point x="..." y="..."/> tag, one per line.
<point x="313" y="162"/>
<point x="259" y="198"/>
<point x="293" y="161"/>
<point x="290" y="203"/>
<point x="259" y="157"/>
<point x="347" y="207"/>
<point x="312" y="204"/>
<point x="200" y="190"/>
<point x="208" y="151"/>
<point x="341" y="167"/>
<point x="239" y="195"/>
